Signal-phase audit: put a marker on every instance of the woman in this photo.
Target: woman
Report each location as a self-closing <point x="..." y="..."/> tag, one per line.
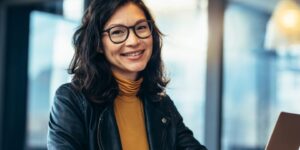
<point x="116" y="99"/>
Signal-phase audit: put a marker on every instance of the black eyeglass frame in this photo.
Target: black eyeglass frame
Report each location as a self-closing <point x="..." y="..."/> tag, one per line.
<point x="150" y="23"/>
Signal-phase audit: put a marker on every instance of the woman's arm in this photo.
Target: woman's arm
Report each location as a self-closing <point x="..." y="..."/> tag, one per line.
<point x="66" y="127"/>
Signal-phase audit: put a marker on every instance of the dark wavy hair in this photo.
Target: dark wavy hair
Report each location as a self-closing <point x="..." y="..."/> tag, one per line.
<point x="90" y="69"/>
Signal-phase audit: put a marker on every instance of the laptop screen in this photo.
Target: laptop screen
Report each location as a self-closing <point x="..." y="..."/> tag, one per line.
<point x="286" y="134"/>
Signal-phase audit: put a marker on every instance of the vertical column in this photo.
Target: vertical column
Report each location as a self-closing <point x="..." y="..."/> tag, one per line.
<point x="2" y="60"/>
<point x="214" y="76"/>
<point x="15" y="77"/>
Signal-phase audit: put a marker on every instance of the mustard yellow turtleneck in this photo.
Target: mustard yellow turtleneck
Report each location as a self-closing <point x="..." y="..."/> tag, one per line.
<point x="129" y="114"/>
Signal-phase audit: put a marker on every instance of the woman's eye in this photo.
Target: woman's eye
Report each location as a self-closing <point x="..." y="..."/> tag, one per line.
<point x="142" y="27"/>
<point x="117" y="32"/>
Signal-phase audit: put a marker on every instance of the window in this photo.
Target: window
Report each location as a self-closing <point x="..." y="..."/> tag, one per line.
<point x="258" y="84"/>
<point x="50" y="51"/>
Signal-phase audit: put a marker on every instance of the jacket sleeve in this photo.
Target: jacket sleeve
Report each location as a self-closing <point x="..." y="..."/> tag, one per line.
<point x="184" y="136"/>
<point x="66" y="127"/>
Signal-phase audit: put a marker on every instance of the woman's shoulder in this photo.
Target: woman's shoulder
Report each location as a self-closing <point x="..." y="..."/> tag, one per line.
<point x="68" y="89"/>
<point x="169" y="105"/>
<point x="166" y="100"/>
<point x="68" y="93"/>
<point x="65" y="88"/>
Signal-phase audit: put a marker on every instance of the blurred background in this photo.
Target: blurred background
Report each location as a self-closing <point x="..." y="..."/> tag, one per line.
<point x="234" y="66"/>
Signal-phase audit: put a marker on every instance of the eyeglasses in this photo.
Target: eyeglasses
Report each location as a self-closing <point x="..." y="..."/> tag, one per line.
<point x="120" y="33"/>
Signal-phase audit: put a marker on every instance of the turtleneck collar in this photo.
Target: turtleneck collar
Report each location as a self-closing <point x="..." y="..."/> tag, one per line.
<point x="127" y="87"/>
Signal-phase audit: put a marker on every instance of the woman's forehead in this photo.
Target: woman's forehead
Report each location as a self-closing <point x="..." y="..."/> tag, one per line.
<point x="128" y="14"/>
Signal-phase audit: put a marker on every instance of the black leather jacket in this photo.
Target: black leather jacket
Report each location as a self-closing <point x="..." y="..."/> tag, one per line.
<point x="76" y="123"/>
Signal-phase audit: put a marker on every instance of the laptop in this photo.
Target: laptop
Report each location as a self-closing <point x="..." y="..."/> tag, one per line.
<point x="286" y="134"/>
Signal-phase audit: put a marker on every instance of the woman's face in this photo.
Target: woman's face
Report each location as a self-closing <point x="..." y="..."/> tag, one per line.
<point x="131" y="56"/>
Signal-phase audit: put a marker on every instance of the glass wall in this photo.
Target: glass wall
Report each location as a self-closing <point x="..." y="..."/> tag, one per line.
<point x="50" y="51"/>
<point x="258" y="83"/>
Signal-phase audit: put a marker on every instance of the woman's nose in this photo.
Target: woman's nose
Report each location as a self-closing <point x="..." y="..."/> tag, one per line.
<point x="132" y="39"/>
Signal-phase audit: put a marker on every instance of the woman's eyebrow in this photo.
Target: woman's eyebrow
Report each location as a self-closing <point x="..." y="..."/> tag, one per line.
<point x="120" y="24"/>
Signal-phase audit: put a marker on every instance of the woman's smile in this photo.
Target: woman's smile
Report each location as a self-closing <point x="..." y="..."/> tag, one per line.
<point x="133" y="55"/>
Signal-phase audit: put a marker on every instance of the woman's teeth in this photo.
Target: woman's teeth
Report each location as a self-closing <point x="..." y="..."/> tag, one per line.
<point x="134" y="53"/>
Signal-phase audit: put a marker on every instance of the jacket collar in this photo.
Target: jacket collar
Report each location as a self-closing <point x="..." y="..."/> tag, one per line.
<point x="156" y="122"/>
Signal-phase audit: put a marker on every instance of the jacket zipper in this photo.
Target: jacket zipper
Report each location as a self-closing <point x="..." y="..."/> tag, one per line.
<point x="100" y="146"/>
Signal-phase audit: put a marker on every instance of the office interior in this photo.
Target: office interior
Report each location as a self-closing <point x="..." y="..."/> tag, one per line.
<point x="234" y="66"/>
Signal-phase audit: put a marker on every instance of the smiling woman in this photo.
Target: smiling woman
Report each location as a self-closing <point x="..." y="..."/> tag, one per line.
<point x="117" y="97"/>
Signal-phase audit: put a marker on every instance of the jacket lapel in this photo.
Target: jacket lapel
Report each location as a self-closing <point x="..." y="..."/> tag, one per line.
<point x="108" y="133"/>
<point x="156" y="124"/>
